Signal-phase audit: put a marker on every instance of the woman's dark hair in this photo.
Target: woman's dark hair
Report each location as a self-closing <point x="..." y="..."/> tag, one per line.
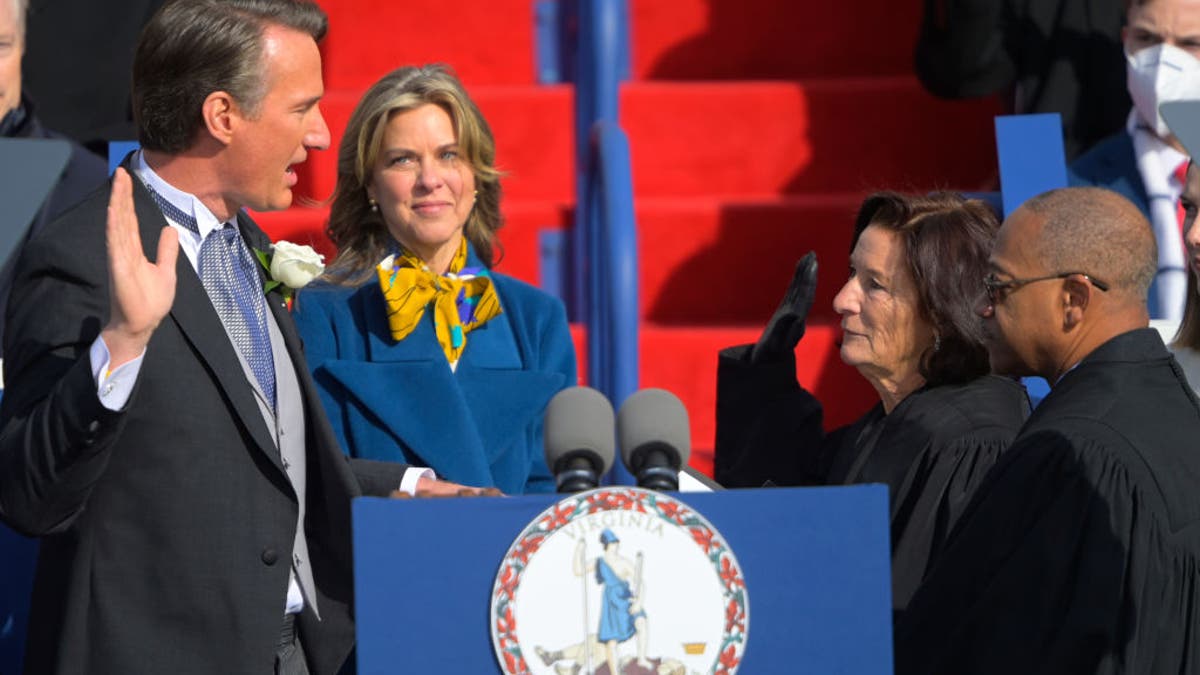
<point x="191" y="48"/>
<point x="947" y="241"/>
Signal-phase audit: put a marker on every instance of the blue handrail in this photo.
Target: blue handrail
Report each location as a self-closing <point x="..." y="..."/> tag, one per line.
<point x="604" y="291"/>
<point x="612" y="234"/>
<point x="604" y="240"/>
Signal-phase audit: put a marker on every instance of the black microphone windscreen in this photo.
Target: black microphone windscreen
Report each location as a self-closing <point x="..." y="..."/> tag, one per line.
<point x="653" y="416"/>
<point x="579" y="418"/>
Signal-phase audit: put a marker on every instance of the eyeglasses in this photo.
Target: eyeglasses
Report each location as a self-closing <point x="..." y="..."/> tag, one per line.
<point x="996" y="289"/>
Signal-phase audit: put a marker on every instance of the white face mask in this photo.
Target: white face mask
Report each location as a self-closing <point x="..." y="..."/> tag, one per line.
<point x="1159" y="74"/>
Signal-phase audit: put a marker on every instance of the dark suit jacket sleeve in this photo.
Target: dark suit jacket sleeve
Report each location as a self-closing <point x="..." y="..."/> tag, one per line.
<point x="56" y="434"/>
<point x="376" y="478"/>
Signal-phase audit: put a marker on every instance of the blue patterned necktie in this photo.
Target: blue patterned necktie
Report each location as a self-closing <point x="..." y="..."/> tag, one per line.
<point x="230" y="277"/>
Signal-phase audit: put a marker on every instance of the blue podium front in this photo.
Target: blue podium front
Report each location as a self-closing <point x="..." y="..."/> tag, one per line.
<point x="814" y="565"/>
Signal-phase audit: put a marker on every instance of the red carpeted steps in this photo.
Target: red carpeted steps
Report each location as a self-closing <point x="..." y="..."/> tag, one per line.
<point x="487" y="41"/>
<point x="755" y="126"/>
<point x="770" y="39"/>
<point x="812" y="136"/>
<point x="749" y="177"/>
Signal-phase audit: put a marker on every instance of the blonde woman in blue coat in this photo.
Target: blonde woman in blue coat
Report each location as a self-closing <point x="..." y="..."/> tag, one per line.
<point x="423" y="355"/>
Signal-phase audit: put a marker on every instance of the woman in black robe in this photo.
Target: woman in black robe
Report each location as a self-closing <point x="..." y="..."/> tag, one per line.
<point x="909" y="327"/>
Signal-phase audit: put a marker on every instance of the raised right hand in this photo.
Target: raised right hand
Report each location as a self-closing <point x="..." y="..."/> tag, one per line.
<point x="140" y="292"/>
<point x="786" y="326"/>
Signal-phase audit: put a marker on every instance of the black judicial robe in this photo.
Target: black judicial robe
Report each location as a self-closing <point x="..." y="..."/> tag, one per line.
<point x="1081" y="550"/>
<point x="931" y="451"/>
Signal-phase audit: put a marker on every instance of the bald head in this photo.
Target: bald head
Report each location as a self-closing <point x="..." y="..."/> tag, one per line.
<point x="1099" y="232"/>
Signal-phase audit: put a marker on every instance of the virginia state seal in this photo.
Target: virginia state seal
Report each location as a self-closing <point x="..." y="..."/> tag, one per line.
<point x="619" y="580"/>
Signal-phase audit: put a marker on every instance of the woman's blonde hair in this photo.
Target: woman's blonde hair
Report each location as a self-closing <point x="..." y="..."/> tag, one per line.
<point x="359" y="233"/>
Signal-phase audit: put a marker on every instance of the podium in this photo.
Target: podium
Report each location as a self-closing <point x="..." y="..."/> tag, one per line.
<point x="815" y="561"/>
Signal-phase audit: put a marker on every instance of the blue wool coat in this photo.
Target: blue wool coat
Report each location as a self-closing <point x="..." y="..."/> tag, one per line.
<point x="480" y="425"/>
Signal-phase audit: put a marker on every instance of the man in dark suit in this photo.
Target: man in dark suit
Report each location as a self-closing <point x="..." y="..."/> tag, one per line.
<point x="18" y="119"/>
<point x="1080" y="552"/>
<point x="77" y="66"/>
<point x="84" y="173"/>
<point x="160" y="431"/>
<point x="1145" y="162"/>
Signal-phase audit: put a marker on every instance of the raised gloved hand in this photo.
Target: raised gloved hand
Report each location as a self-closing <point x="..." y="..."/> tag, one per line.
<point x="786" y="326"/>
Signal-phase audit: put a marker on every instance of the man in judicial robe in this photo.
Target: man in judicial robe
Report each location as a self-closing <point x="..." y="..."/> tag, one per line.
<point x="1080" y="553"/>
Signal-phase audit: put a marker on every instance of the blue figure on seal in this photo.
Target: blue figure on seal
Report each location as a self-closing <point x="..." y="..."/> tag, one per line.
<point x="621" y="614"/>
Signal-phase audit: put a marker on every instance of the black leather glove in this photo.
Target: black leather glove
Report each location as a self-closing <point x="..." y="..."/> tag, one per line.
<point x="786" y="326"/>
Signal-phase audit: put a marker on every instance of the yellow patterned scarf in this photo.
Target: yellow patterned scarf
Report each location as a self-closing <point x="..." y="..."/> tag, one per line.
<point x="463" y="299"/>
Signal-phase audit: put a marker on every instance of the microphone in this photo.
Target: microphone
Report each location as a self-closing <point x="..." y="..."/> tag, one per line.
<point x="656" y="440"/>
<point x="578" y="438"/>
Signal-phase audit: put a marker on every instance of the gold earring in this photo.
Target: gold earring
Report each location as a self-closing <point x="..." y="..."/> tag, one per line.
<point x="374" y="205"/>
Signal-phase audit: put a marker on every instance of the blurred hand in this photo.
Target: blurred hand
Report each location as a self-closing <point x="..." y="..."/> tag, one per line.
<point x="432" y="487"/>
<point x="786" y="326"/>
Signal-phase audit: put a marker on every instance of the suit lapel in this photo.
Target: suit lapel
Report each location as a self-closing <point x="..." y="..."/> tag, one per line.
<point x="295" y="350"/>
<point x="334" y="474"/>
<point x="193" y="313"/>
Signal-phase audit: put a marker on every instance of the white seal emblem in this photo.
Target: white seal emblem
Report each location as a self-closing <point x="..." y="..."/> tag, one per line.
<point x="619" y="580"/>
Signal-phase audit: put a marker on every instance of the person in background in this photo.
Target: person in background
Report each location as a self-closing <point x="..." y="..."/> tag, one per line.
<point x="1145" y="162"/>
<point x="909" y="328"/>
<point x="18" y="119"/>
<point x="83" y="173"/>
<point x="1080" y="552"/>
<point x="1049" y="56"/>
<point x="77" y="66"/>
<point x="421" y="352"/>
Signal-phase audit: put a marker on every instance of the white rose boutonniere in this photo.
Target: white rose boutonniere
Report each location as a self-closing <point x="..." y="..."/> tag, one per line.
<point x="290" y="266"/>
